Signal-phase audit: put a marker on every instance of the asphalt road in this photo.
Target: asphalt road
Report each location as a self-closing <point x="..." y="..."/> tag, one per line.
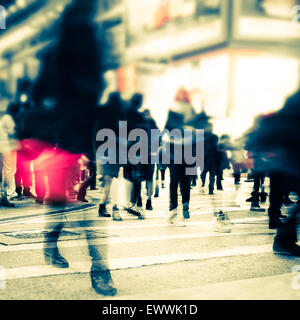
<point x="150" y="259"/>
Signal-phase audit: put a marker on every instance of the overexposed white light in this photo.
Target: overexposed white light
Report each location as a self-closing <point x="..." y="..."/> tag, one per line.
<point x="21" y="3"/>
<point x="13" y="38"/>
<point x="257" y="89"/>
<point x="23" y="98"/>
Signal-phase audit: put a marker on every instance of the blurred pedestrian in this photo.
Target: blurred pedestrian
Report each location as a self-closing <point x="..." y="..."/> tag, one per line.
<point x="258" y="194"/>
<point x="140" y="172"/>
<point x="72" y="76"/>
<point x="108" y="117"/>
<point x="277" y="136"/>
<point x="150" y="124"/>
<point x="237" y="160"/>
<point x="8" y="146"/>
<point x="210" y="157"/>
<point x="222" y="160"/>
<point x="23" y="175"/>
<point x="180" y="115"/>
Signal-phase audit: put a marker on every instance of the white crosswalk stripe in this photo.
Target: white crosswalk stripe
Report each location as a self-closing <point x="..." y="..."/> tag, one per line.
<point x="116" y="264"/>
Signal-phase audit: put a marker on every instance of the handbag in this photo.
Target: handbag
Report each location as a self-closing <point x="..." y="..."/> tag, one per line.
<point x="121" y="190"/>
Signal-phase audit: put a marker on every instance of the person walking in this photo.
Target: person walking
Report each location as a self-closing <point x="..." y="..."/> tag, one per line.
<point x="258" y="194"/>
<point x="150" y="124"/>
<point x="140" y="172"/>
<point x="8" y="147"/>
<point x="179" y="116"/>
<point x="210" y="157"/>
<point x="23" y="175"/>
<point x="108" y="117"/>
<point x="72" y="76"/>
<point x="237" y="160"/>
<point x="277" y="135"/>
<point x="222" y="160"/>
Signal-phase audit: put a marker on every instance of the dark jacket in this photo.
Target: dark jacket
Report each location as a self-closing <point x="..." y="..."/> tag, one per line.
<point x="108" y="116"/>
<point x="210" y="151"/>
<point x="222" y="158"/>
<point x="175" y="120"/>
<point x="71" y="75"/>
<point x="136" y="172"/>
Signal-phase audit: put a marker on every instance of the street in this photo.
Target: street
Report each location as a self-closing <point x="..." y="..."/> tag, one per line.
<point x="150" y="259"/>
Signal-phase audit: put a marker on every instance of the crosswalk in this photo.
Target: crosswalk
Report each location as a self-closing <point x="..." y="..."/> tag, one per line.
<point x="150" y="258"/>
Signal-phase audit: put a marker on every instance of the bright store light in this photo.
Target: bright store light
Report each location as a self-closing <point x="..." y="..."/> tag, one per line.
<point x="23" y="98"/>
<point x="257" y="88"/>
<point x="21" y="3"/>
<point x="15" y="37"/>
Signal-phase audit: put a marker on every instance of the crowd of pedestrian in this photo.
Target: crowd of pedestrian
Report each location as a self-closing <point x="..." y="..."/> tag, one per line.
<point x="49" y="150"/>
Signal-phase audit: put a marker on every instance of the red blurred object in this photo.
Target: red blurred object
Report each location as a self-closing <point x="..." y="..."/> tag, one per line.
<point x="58" y="166"/>
<point x="183" y="95"/>
<point x="23" y="175"/>
<point x="162" y="14"/>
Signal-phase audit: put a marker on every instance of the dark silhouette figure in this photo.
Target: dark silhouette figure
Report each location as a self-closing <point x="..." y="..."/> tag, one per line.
<point x="108" y="116"/>
<point x="277" y="136"/>
<point x="136" y="173"/>
<point x="180" y="116"/>
<point x="210" y="157"/>
<point x="71" y="78"/>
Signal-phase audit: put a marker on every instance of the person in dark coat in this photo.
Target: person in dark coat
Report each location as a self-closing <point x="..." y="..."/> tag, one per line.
<point x="258" y="172"/>
<point x="211" y="154"/>
<point x="136" y="173"/>
<point x="222" y="160"/>
<point x="108" y="117"/>
<point x="72" y="77"/>
<point x="210" y="157"/>
<point x="277" y="136"/>
<point x="180" y="116"/>
<point x="150" y="124"/>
